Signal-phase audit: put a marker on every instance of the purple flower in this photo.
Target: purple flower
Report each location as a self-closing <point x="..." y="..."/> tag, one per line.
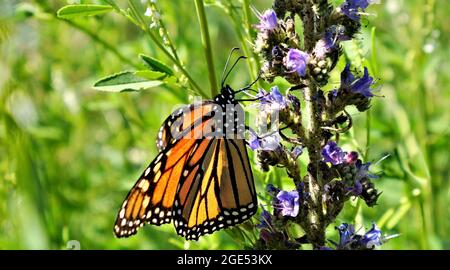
<point x="288" y="203"/>
<point x="333" y="153"/>
<point x="296" y="61"/>
<point x="351" y="8"/>
<point x="361" y="85"/>
<point x="346" y="235"/>
<point x="267" y="143"/>
<point x="253" y="142"/>
<point x="272" y="101"/>
<point x="363" y="170"/>
<point x="329" y="41"/>
<point x="267" y="21"/>
<point x="348" y="239"/>
<point x="372" y="238"/>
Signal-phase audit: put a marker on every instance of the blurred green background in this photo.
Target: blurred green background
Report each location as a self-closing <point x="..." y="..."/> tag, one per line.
<point x="69" y="153"/>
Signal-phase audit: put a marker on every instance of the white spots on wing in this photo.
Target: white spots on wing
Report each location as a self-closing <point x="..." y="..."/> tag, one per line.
<point x="124" y="221"/>
<point x="147" y="171"/>
<point x="157" y="167"/>
<point x="122" y="213"/>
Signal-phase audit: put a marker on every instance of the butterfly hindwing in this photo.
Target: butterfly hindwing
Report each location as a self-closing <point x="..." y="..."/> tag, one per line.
<point x="218" y="192"/>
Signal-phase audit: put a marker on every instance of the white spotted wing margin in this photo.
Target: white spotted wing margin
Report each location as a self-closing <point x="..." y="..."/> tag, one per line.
<point x="137" y="208"/>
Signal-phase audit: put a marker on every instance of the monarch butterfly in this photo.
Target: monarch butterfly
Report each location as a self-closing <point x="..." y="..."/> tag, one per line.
<point x="201" y="179"/>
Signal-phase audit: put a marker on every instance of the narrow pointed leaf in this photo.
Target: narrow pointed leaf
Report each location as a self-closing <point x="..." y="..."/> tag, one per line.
<point x="127" y="81"/>
<point x="74" y="11"/>
<point x="156" y="65"/>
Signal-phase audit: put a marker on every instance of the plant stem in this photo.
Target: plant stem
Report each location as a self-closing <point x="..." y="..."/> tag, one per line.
<point x="315" y="224"/>
<point x="250" y="30"/>
<point x="368" y="129"/>
<point x="207" y="46"/>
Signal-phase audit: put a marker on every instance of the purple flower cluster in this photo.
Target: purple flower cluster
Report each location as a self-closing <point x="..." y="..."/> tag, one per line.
<point x="332" y="153"/>
<point x="349" y="239"/>
<point x="347" y="161"/>
<point x="306" y="62"/>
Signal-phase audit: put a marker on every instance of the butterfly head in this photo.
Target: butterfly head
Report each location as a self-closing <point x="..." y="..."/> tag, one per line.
<point x="226" y="96"/>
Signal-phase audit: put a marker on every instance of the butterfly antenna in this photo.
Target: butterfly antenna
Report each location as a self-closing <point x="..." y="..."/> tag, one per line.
<point x="226" y="64"/>
<point x="231" y="69"/>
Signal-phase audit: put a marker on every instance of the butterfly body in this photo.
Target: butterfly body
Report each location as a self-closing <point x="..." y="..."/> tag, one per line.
<point x="201" y="179"/>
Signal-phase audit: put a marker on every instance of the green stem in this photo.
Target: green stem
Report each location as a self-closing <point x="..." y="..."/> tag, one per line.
<point x="368" y="129"/>
<point x="315" y="223"/>
<point x="178" y="64"/>
<point x="144" y="26"/>
<point x="230" y="11"/>
<point x="207" y="46"/>
<point x="250" y="30"/>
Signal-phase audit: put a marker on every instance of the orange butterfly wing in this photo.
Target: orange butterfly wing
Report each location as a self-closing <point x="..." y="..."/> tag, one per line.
<point x="204" y="184"/>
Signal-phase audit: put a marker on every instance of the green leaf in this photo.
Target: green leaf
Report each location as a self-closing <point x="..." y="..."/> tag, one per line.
<point x="74" y="11"/>
<point x="150" y="75"/>
<point x="127" y="81"/>
<point x="156" y="65"/>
